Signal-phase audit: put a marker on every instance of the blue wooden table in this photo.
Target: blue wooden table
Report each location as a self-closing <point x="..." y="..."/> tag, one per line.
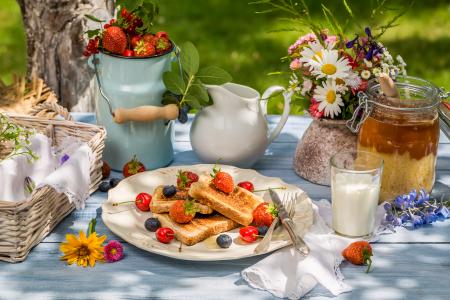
<point x="407" y="264"/>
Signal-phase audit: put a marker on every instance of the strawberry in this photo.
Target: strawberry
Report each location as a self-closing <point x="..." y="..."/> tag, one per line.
<point x="124" y="13"/>
<point x="134" y="40"/>
<point x="163" y="45"/>
<point x="133" y="167"/>
<point x="264" y="214"/>
<point x="144" y="48"/>
<point x="150" y="38"/>
<point x="185" y="179"/>
<point x="359" y="253"/>
<point x="162" y="34"/>
<point x="222" y="181"/>
<point x="182" y="211"/>
<point x="114" y="40"/>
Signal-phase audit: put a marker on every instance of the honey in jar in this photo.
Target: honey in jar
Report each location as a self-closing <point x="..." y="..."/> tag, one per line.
<point x="404" y="132"/>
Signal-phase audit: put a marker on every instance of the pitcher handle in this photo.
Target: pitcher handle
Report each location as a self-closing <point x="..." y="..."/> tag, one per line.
<point x="287" y="95"/>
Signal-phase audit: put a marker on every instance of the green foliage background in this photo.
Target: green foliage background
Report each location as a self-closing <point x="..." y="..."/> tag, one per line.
<point x="229" y="34"/>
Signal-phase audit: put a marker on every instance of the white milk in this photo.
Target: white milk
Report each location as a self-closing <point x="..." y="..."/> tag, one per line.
<point x="354" y="201"/>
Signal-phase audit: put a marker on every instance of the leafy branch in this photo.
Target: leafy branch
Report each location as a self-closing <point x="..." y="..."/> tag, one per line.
<point x="19" y="137"/>
<point x="186" y="81"/>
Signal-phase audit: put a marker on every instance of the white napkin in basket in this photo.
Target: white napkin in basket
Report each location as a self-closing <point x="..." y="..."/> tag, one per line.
<point x="287" y="274"/>
<point x="65" y="168"/>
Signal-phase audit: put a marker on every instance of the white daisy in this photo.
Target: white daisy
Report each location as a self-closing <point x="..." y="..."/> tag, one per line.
<point x="329" y="98"/>
<point x="313" y="52"/>
<point x="368" y="63"/>
<point x="306" y="87"/>
<point x="365" y="74"/>
<point x="353" y="80"/>
<point x="376" y="72"/>
<point x="330" y="65"/>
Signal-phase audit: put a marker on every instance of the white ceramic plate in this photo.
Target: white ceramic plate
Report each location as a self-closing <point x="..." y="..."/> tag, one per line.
<point x="128" y="223"/>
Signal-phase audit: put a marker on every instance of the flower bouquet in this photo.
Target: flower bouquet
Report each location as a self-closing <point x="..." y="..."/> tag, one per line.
<point x="328" y="68"/>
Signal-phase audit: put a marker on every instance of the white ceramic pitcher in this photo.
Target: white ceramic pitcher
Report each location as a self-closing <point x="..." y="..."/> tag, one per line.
<point x="234" y="130"/>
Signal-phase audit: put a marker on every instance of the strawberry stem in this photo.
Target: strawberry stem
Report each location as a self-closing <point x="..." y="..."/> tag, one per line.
<point x="274" y="188"/>
<point x="120" y="203"/>
<point x="367" y="260"/>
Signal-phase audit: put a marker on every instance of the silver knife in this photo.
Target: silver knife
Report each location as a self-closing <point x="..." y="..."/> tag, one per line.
<point x="297" y="241"/>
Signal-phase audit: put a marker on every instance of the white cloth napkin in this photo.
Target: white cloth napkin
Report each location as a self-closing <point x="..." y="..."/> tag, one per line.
<point x="66" y="169"/>
<point x="287" y="274"/>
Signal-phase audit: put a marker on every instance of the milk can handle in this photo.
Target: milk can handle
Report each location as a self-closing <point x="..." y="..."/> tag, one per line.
<point x="363" y="111"/>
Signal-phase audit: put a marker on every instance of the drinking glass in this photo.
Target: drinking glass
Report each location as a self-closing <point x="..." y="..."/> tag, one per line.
<point x="355" y="190"/>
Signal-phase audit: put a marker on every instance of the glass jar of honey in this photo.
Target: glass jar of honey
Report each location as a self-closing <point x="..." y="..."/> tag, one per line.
<point x="403" y="131"/>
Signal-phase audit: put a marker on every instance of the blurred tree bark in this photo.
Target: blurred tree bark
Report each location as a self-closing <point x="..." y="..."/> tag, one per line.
<point x="54" y="31"/>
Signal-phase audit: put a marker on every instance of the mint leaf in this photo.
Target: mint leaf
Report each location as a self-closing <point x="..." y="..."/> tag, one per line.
<point x="193" y="101"/>
<point x="190" y="59"/>
<point x="174" y="83"/>
<point x="214" y="75"/>
<point x="199" y="92"/>
<point x="92" y="18"/>
<point x="170" y="98"/>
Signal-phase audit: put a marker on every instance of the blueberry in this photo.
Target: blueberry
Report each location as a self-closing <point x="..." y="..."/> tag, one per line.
<point x="262" y="230"/>
<point x="224" y="241"/>
<point x="182" y="117"/>
<point x="104" y="186"/>
<point x="169" y="191"/>
<point x="114" y="182"/>
<point x="152" y="224"/>
<point x="186" y="108"/>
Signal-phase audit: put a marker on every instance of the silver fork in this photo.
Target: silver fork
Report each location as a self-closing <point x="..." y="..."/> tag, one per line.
<point x="289" y="200"/>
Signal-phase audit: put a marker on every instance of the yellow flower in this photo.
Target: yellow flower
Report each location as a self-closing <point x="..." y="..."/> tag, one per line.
<point x="83" y="251"/>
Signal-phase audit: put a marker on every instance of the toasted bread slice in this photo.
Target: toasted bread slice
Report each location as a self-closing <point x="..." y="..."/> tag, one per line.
<point x="200" y="228"/>
<point x="161" y="204"/>
<point x="238" y="205"/>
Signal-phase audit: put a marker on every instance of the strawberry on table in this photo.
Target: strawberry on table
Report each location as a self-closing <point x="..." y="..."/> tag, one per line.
<point x="182" y="211"/>
<point x="128" y="53"/>
<point x="133" y="167"/>
<point x="359" y="253"/>
<point x="185" y="179"/>
<point x="114" y="40"/>
<point x="264" y="214"/>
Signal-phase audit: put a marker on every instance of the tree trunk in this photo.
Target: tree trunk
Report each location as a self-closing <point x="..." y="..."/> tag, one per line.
<point x="54" y="31"/>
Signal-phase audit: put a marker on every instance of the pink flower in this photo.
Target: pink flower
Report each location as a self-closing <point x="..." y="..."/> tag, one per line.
<point x="309" y="37"/>
<point x="331" y="40"/>
<point x="314" y="110"/>
<point x="113" y="251"/>
<point x="295" y="64"/>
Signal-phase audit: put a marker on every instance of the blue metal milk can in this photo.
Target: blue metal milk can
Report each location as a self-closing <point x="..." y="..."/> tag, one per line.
<point x="128" y="104"/>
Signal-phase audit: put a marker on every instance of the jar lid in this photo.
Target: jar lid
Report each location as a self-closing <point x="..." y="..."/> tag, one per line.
<point x="415" y="94"/>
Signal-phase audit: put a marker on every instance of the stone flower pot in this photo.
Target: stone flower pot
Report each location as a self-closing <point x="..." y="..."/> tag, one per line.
<point x="319" y="143"/>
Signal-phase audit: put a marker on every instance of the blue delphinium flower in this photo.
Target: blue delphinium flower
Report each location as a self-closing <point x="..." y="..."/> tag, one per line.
<point x="415" y="209"/>
<point x="368" y="32"/>
<point x="351" y="43"/>
<point x="442" y="212"/>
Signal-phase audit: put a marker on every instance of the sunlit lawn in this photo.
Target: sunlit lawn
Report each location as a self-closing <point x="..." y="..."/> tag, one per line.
<point x="229" y="34"/>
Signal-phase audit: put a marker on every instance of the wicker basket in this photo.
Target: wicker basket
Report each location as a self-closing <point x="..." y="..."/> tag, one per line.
<point x="22" y="97"/>
<point x="25" y="224"/>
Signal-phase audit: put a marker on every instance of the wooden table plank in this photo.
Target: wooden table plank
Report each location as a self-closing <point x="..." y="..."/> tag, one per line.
<point x="399" y="272"/>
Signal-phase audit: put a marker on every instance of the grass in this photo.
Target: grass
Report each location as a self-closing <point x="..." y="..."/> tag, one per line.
<point x="229" y="34"/>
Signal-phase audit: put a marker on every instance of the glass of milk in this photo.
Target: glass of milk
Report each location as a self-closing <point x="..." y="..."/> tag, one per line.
<point x="355" y="190"/>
